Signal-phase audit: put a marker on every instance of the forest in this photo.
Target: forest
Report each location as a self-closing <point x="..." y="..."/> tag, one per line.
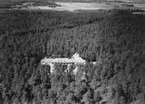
<point x="114" y="39"/>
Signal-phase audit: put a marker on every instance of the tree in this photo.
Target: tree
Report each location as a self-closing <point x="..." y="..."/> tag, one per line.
<point x="88" y="97"/>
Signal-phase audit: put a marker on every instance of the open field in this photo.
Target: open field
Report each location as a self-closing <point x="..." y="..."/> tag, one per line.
<point x="140" y="6"/>
<point x="75" y="6"/>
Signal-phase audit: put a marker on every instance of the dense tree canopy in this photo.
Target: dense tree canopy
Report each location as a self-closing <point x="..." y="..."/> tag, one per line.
<point x="115" y="42"/>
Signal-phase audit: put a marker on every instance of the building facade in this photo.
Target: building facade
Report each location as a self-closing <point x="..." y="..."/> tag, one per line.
<point x="74" y="60"/>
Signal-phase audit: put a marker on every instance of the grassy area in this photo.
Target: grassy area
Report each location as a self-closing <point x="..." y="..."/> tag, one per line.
<point x="7" y="4"/>
<point x="45" y="3"/>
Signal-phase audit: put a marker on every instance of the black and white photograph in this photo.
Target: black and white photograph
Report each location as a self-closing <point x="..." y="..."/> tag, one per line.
<point x="72" y="51"/>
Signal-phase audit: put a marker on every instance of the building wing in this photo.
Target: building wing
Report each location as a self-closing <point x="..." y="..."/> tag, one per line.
<point x="74" y="60"/>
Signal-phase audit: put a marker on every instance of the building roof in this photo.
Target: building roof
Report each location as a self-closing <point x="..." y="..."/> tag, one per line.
<point x="75" y="59"/>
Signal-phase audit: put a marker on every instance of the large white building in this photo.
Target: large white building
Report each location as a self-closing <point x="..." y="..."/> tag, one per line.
<point x="75" y="60"/>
